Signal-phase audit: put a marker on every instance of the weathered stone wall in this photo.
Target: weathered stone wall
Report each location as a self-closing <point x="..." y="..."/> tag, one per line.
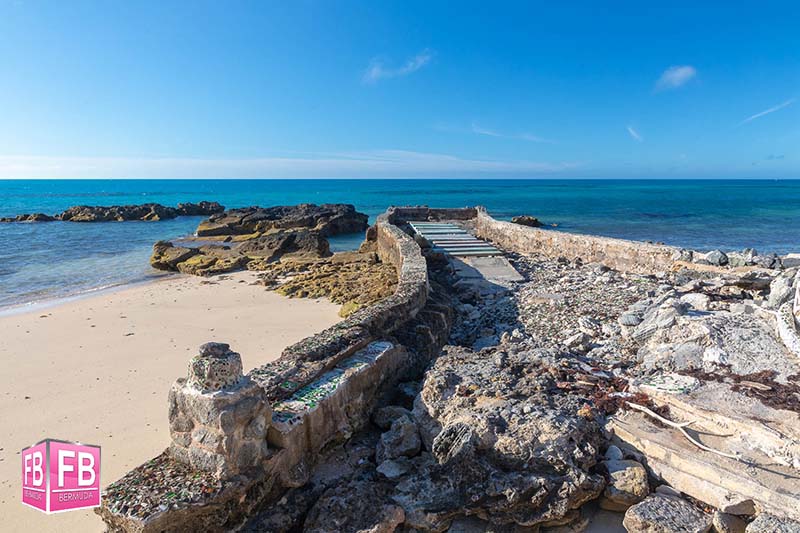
<point x="259" y="433"/>
<point x="619" y="254"/>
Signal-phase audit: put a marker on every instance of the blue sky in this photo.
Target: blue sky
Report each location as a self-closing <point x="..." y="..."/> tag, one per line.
<point x="399" y="89"/>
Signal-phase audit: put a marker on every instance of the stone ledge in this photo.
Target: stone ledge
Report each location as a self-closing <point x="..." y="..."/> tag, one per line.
<point x="619" y="254"/>
<point x="717" y="481"/>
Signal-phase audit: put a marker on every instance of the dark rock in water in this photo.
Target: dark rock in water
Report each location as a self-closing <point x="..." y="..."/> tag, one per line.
<point x="202" y="209"/>
<point x="666" y="514"/>
<point x="166" y="256"/>
<point x="254" y="254"/>
<point x="717" y="258"/>
<point x="119" y="213"/>
<point x="33" y="217"/>
<point x="327" y="219"/>
<point x="527" y="220"/>
<point x="274" y="245"/>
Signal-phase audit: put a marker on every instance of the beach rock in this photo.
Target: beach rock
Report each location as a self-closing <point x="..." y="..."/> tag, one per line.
<point x="351" y="279"/>
<point x="613" y="453"/>
<point x="33" y="217"/>
<point x="666" y="514"/>
<point x="717" y="258"/>
<point x="728" y="523"/>
<point x="211" y="260"/>
<point x="504" y="444"/>
<point x="383" y="417"/>
<point x="527" y="220"/>
<point x="781" y="289"/>
<point x="119" y="213"/>
<point x="765" y="523"/>
<point x="361" y="505"/>
<point x="274" y="245"/>
<point x="402" y="440"/>
<point x="630" y="319"/>
<point x="393" y="469"/>
<point x="697" y="301"/>
<point x="166" y="256"/>
<point x="627" y="485"/>
<point x="326" y="219"/>
<point x="200" y="209"/>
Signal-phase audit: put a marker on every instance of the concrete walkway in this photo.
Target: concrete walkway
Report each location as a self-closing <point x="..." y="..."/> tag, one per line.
<point x="473" y="259"/>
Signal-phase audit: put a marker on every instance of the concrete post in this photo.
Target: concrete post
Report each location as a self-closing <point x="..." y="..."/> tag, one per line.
<point x="218" y="418"/>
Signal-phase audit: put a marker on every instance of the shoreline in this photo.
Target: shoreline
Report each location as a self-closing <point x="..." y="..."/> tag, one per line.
<point x="97" y="368"/>
<point x="56" y="301"/>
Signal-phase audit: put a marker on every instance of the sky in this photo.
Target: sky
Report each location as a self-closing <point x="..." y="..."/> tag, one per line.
<point x="578" y="89"/>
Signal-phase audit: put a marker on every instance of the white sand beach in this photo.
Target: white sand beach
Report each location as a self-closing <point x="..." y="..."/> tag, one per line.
<point x="98" y="370"/>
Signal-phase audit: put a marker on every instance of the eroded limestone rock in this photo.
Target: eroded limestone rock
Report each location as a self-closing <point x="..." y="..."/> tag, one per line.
<point x="502" y="444"/>
<point x="627" y="485"/>
<point x="666" y="514"/>
<point x="326" y="219"/>
<point x="766" y="523"/>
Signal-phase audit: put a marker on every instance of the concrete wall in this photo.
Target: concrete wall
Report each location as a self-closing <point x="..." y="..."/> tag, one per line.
<point x="619" y="254"/>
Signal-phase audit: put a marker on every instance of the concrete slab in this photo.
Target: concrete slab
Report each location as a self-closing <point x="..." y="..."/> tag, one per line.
<point x="492" y="269"/>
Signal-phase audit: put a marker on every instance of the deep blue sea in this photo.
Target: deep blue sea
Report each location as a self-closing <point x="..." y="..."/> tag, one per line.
<point x="51" y="260"/>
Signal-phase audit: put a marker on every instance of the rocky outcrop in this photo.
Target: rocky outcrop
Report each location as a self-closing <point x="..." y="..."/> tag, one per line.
<point x="120" y="213"/>
<point x="33" y="217"/>
<point x="150" y="212"/>
<point x="256" y="237"/>
<point x="352" y="279"/>
<point x="527" y="220"/>
<point x="503" y="443"/>
<point x="254" y="254"/>
<point x="325" y="219"/>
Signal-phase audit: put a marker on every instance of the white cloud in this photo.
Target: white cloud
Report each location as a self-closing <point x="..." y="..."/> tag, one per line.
<point x="635" y="134"/>
<point x="368" y="164"/>
<point x="377" y="70"/>
<point x="521" y="136"/>
<point x="675" y="76"/>
<point x="778" y="107"/>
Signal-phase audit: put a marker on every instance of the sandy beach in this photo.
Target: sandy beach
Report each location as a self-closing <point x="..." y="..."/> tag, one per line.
<point x="98" y="369"/>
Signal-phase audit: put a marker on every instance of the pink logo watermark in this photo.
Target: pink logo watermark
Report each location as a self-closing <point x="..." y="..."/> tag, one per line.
<point x="60" y="476"/>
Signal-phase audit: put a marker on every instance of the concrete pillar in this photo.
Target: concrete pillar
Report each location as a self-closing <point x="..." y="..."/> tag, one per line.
<point x="218" y="418"/>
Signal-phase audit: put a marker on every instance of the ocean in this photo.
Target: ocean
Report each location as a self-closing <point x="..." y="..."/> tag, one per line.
<point x="45" y="261"/>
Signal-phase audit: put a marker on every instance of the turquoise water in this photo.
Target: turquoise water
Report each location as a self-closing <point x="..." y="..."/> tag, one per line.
<point x="47" y="260"/>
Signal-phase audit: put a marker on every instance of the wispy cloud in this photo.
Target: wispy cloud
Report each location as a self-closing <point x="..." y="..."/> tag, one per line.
<point x="634" y="134"/>
<point x="479" y="130"/>
<point x="778" y="107"/>
<point x="378" y="70"/>
<point x="675" y="76"/>
<point x="363" y="164"/>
